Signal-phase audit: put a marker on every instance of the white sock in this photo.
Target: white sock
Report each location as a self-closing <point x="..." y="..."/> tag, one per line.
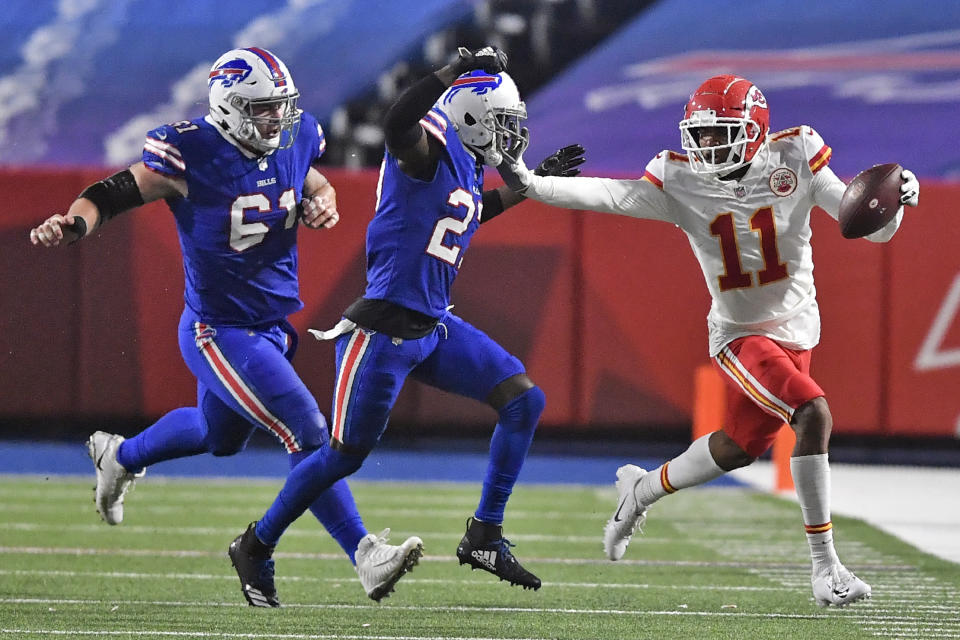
<point x="692" y="467"/>
<point x="811" y="476"/>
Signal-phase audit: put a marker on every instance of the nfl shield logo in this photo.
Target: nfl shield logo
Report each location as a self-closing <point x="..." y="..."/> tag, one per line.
<point x="740" y="191"/>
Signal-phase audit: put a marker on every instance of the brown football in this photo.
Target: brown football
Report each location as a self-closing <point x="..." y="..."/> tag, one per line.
<point x="871" y="200"/>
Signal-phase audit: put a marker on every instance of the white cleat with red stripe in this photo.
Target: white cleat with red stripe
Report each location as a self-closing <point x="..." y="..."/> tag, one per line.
<point x="113" y="480"/>
<point x="630" y="514"/>
<point x="838" y="586"/>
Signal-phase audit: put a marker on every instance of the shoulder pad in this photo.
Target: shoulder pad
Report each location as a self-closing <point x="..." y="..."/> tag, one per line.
<point x="309" y="125"/>
<point x="435" y="123"/>
<point x="656" y="168"/>
<point x="786" y="133"/>
<point x="161" y="151"/>
<point x="815" y="149"/>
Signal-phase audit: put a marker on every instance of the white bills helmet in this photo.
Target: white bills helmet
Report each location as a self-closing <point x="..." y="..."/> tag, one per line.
<point x="487" y="112"/>
<point x="253" y="98"/>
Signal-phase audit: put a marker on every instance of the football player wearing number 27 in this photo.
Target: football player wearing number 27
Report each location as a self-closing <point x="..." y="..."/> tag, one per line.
<point x="238" y="182"/>
<point x="743" y="196"/>
<point x="440" y="133"/>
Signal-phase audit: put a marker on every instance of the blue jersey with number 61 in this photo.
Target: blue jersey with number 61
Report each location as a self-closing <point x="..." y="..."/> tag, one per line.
<point x="417" y="238"/>
<point x="238" y="223"/>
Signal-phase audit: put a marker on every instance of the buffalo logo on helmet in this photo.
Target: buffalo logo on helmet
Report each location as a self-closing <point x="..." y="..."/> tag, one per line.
<point x="478" y="82"/>
<point x="783" y="182"/>
<point x="231" y="72"/>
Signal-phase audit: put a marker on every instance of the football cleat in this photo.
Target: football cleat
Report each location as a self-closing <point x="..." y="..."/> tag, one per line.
<point x="629" y="516"/>
<point x="381" y="565"/>
<point x="254" y="565"/>
<point x="838" y="586"/>
<point x="491" y="552"/>
<point x="113" y="480"/>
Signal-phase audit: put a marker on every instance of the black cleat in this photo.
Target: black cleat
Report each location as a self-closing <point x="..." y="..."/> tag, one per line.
<point x="252" y="561"/>
<point x="484" y="547"/>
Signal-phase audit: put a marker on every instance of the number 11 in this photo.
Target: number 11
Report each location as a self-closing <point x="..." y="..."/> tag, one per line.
<point x="763" y="224"/>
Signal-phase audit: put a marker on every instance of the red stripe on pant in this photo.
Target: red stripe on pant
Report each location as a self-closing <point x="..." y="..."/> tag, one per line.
<point x="239" y="391"/>
<point x="348" y="370"/>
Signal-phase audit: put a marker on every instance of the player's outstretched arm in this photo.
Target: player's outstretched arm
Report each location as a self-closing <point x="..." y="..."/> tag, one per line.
<point x="103" y="200"/>
<point x="318" y="208"/>
<point x="564" y="163"/>
<point x="405" y="138"/>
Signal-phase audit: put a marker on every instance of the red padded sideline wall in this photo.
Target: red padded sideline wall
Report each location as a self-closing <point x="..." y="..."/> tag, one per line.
<point x="607" y="313"/>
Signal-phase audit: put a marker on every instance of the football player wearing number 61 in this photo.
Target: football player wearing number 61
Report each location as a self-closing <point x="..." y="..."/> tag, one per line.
<point x="239" y="181"/>
<point x="743" y="196"/>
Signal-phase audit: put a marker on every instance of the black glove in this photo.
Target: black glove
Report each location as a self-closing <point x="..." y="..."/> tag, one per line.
<point x="490" y="59"/>
<point x="563" y="163"/>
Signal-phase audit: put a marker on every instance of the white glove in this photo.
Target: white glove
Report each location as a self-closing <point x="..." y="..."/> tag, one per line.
<point x="516" y="175"/>
<point x="910" y="189"/>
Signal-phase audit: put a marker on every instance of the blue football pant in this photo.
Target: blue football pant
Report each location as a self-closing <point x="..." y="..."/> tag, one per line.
<point x="245" y="381"/>
<point x="371" y="369"/>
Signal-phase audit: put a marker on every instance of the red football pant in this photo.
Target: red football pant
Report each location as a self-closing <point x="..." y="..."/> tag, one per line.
<point x="766" y="382"/>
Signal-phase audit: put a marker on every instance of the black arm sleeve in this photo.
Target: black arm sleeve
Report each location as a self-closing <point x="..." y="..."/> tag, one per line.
<point x="401" y="123"/>
<point x="114" y="195"/>
<point x="492" y="205"/>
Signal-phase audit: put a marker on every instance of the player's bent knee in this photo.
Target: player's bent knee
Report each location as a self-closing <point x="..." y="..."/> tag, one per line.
<point x="534" y="401"/>
<point x="345" y="463"/>
<point x="224" y="449"/>
<point x="508" y="390"/>
<point x="227" y="446"/>
<point x="813" y="414"/>
<point x="812" y="422"/>
<point x="730" y="454"/>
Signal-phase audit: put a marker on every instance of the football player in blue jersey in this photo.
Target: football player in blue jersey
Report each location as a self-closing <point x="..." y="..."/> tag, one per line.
<point x="440" y="134"/>
<point x="237" y="180"/>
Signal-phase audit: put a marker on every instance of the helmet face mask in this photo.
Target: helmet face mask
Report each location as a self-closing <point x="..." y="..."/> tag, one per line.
<point x="488" y="115"/>
<point x="253" y="98"/>
<point x="724" y="104"/>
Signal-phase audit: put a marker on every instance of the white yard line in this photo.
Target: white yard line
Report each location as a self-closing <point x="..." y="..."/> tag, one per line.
<point x="137" y="575"/>
<point x="439" y="609"/>
<point x="186" y="553"/>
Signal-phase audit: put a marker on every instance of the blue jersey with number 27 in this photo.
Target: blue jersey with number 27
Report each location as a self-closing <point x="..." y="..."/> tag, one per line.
<point x="417" y="238"/>
<point x="238" y="223"/>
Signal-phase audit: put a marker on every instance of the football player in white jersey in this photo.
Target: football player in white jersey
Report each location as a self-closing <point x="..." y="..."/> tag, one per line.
<point x="743" y="196"/>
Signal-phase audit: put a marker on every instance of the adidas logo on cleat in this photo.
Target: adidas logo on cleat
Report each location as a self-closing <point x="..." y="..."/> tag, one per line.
<point x="487" y="558"/>
<point x="484" y="547"/>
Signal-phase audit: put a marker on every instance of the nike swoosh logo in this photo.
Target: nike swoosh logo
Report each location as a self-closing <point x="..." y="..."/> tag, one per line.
<point x="100" y="459"/>
<point x="616" y="516"/>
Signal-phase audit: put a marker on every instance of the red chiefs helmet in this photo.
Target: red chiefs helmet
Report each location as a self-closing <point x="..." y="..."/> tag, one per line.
<point x="727" y="102"/>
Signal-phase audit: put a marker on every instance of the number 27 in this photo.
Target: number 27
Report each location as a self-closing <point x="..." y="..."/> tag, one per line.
<point x="762" y="223"/>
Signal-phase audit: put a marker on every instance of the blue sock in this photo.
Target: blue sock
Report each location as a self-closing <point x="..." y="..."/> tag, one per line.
<point x="178" y="434"/>
<point x="337" y="512"/>
<point x="306" y="482"/>
<point x="508" y="450"/>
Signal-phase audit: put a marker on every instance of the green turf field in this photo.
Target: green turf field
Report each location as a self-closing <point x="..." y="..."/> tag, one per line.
<point x="722" y="563"/>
